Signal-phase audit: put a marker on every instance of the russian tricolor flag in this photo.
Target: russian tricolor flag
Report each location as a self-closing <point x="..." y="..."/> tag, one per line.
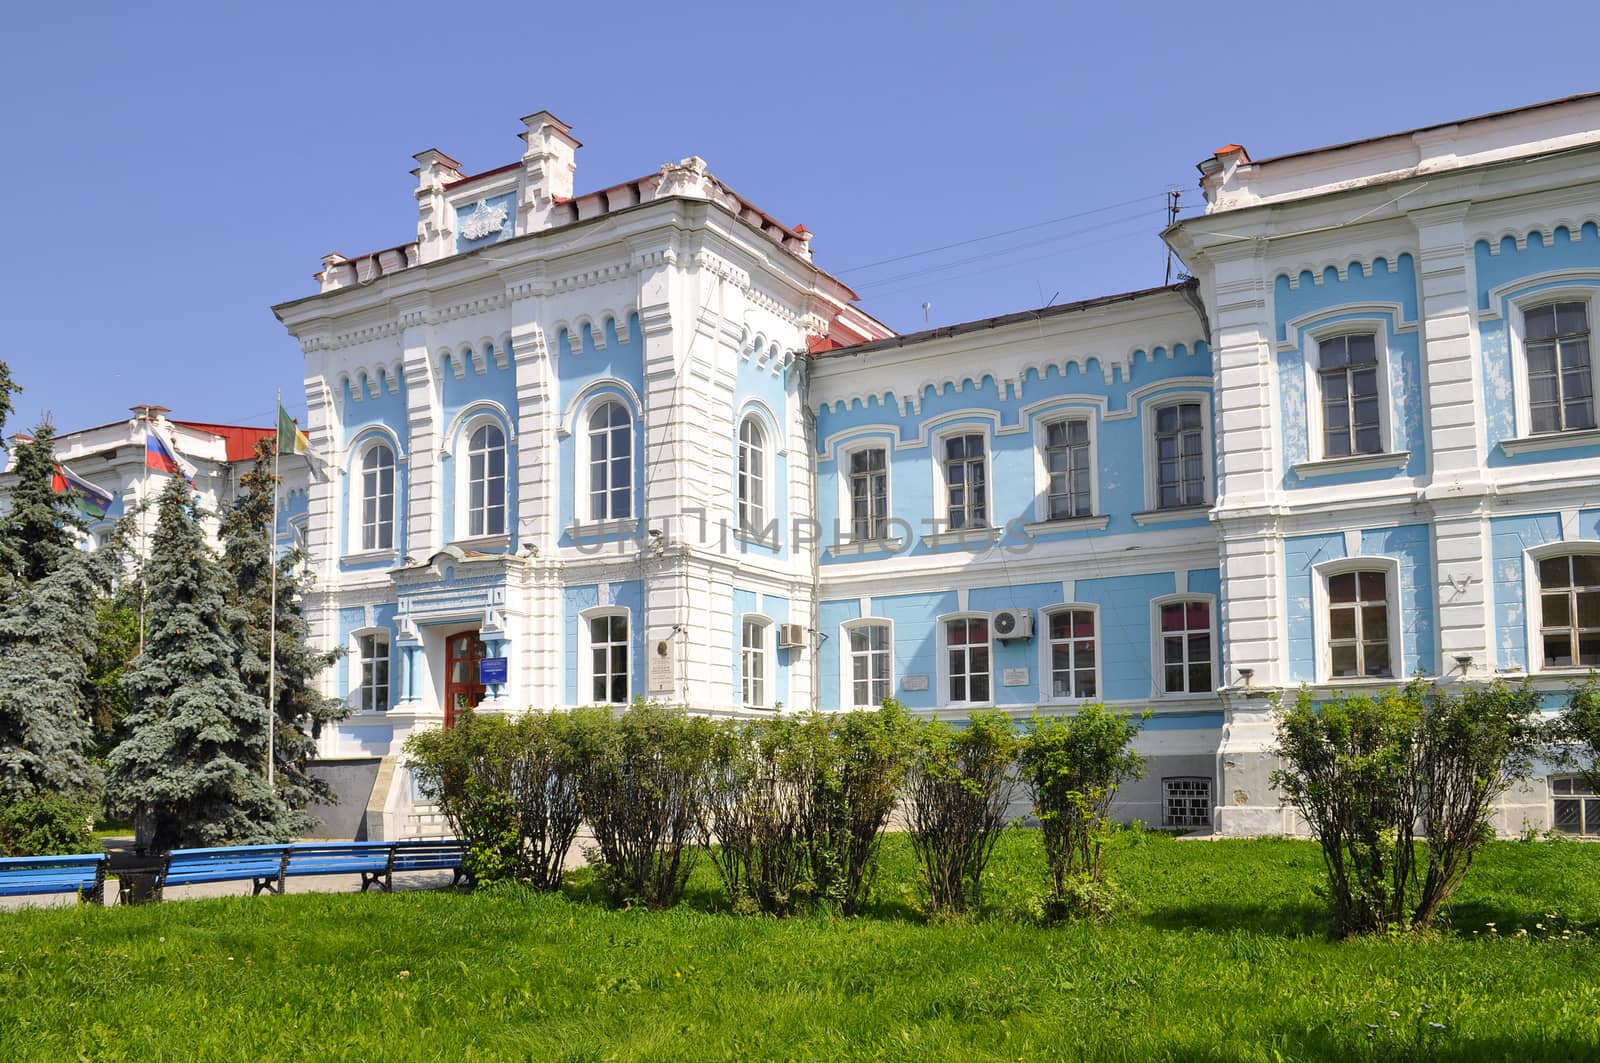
<point x="163" y="458"/>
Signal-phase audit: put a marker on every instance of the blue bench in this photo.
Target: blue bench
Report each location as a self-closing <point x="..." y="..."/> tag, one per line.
<point x="262" y="865"/>
<point x="433" y="854"/>
<point x="373" y="861"/>
<point x="30" y="876"/>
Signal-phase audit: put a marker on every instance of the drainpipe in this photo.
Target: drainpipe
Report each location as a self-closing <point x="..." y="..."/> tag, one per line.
<point x="810" y="422"/>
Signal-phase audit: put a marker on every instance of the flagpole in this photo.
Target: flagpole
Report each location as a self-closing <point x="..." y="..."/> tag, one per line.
<point x="272" y="612"/>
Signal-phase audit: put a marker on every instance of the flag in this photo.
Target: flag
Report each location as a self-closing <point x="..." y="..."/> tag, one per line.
<point x="92" y="500"/>
<point x="291" y="440"/>
<point x="163" y="457"/>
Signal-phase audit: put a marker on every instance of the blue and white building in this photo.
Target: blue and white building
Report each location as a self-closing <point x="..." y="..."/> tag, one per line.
<point x="634" y="443"/>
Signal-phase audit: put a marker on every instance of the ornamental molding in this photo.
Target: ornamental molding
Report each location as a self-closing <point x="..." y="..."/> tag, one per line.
<point x="485" y="304"/>
<point x="484" y="221"/>
<point x="590" y="277"/>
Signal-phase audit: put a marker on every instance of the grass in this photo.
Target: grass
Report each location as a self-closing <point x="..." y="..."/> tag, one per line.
<point x="1222" y="957"/>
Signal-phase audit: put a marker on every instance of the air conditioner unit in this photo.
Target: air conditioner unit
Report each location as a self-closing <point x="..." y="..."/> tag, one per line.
<point x="791" y="636"/>
<point x="1011" y="624"/>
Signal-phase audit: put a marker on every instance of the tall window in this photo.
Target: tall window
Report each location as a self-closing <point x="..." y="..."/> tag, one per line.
<point x="1066" y="462"/>
<point x="1072" y="658"/>
<point x="752" y="477"/>
<point x="967" y="648"/>
<point x="1358" y="625"/>
<point x="869" y="494"/>
<point x="486" y="481"/>
<point x="1180" y="456"/>
<point x="966" y="478"/>
<point x="869" y="665"/>
<point x="377" y="498"/>
<point x="1560" y="382"/>
<point x="1349" y="377"/>
<point x="1186" y="647"/>
<point x="372" y="656"/>
<point x="608" y="659"/>
<point x="1569" y="610"/>
<point x="753" y="662"/>
<point x="610" y="463"/>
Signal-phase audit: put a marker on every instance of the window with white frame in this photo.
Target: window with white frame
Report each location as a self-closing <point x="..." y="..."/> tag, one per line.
<point x="966" y="481"/>
<point x="871" y="664"/>
<point x="1068" y="469"/>
<point x="486" y="481"/>
<point x="371" y="694"/>
<point x="1569" y="610"/>
<point x="1186" y="803"/>
<point x="377" y="498"/>
<point x="608" y="659"/>
<point x="1184" y="631"/>
<point x="1575" y="805"/>
<point x="752" y="484"/>
<point x="968" y="667"/>
<point x="1180" y="448"/>
<point x="753" y="671"/>
<point x="1358" y="625"/>
<point x="1560" y="372"/>
<point x="610" y="433"/>
<point x="1071" y="637"/>
<point x="869" y="494"/>
<point x="1349" y="378"/>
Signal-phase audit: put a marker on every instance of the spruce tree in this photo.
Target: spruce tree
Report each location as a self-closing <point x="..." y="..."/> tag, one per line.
<point x="248" y="548"/>
<point x="41" y="528"/>
<point x="47" y="637"/>
<point x="7" y="389"/>
<point x="191" y="770"/>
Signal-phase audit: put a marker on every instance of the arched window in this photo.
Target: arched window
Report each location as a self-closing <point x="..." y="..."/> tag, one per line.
<point x="486" y="481"/>
<point x="610" y="462"/>
<point x="752" y="477"/>
<point x="1569" y="610"/>
<point x="377" y="498"/>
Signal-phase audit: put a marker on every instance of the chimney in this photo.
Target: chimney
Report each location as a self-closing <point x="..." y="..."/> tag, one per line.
<point x="435" y="238"/>
<point x="548" y="164"/>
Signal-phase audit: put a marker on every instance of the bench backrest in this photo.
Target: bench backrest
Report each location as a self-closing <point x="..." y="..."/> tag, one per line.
<point x="431" y="854"/>
<point x="225" y="863"/>
<point x="332" y="858"/>
<point x="25" y="875"/>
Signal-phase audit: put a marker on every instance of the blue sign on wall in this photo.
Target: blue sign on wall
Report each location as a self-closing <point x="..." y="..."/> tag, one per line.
<point x="492" y="670"/>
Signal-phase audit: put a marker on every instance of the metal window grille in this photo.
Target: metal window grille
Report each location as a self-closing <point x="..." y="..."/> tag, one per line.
<point x="1575" y="807"/>
<point x="1186" y="803"/>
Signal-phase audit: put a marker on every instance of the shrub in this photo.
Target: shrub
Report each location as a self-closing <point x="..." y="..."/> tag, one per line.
<point x="47" y="825"/>
<point x="644" y="792"/>
<point x="1372" y="774"/>
<point x="1073" y="766"/>
<point x="855" y="765"/>
<point x="510" y="787"/>
<point x="759" y="788"/>
<point x="957" y="792"/>
<point x="1576" y="734"/>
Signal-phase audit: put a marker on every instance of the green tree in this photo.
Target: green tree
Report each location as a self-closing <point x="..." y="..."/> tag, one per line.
<point x="47" y="638"/>
<point x="7" y="389"/>
<point x="41" y="528"/>
<point x="191" y="769"/>
<point x="247" y="557"/>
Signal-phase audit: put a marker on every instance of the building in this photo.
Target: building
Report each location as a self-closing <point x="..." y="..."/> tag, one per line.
<point x="112" y="458"/>
<point x="634" y="442"/>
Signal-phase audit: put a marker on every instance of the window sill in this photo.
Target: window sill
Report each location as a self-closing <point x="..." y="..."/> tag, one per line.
<point x="626" y="528"/>
<point x="362" y="557"/>
<point x="483" y="543"/>
<point x="1169" y="516"/>
<point x="1066" y="524"/>
<point x="971" y="537"/>
<point x="1395" y="459"/>
<point x="1551" y="441"/>
<point x="752" y="539"/>
<point x="857" y="547"/>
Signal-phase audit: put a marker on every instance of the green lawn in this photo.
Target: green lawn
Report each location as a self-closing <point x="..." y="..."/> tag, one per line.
<point x="1223" y="958"/>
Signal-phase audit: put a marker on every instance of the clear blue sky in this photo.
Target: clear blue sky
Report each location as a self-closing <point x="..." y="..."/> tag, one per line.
<point x="174" y="170"/>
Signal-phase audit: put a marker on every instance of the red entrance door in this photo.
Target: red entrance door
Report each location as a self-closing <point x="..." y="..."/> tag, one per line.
<point x="461" y="688"/>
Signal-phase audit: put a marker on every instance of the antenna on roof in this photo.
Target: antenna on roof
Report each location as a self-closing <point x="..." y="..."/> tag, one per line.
<point x="925" y="308"/>
<point x="1173" y="195"/>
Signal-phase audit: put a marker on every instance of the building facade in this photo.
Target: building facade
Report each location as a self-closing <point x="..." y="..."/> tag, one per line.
<point x="634" y="443"/>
